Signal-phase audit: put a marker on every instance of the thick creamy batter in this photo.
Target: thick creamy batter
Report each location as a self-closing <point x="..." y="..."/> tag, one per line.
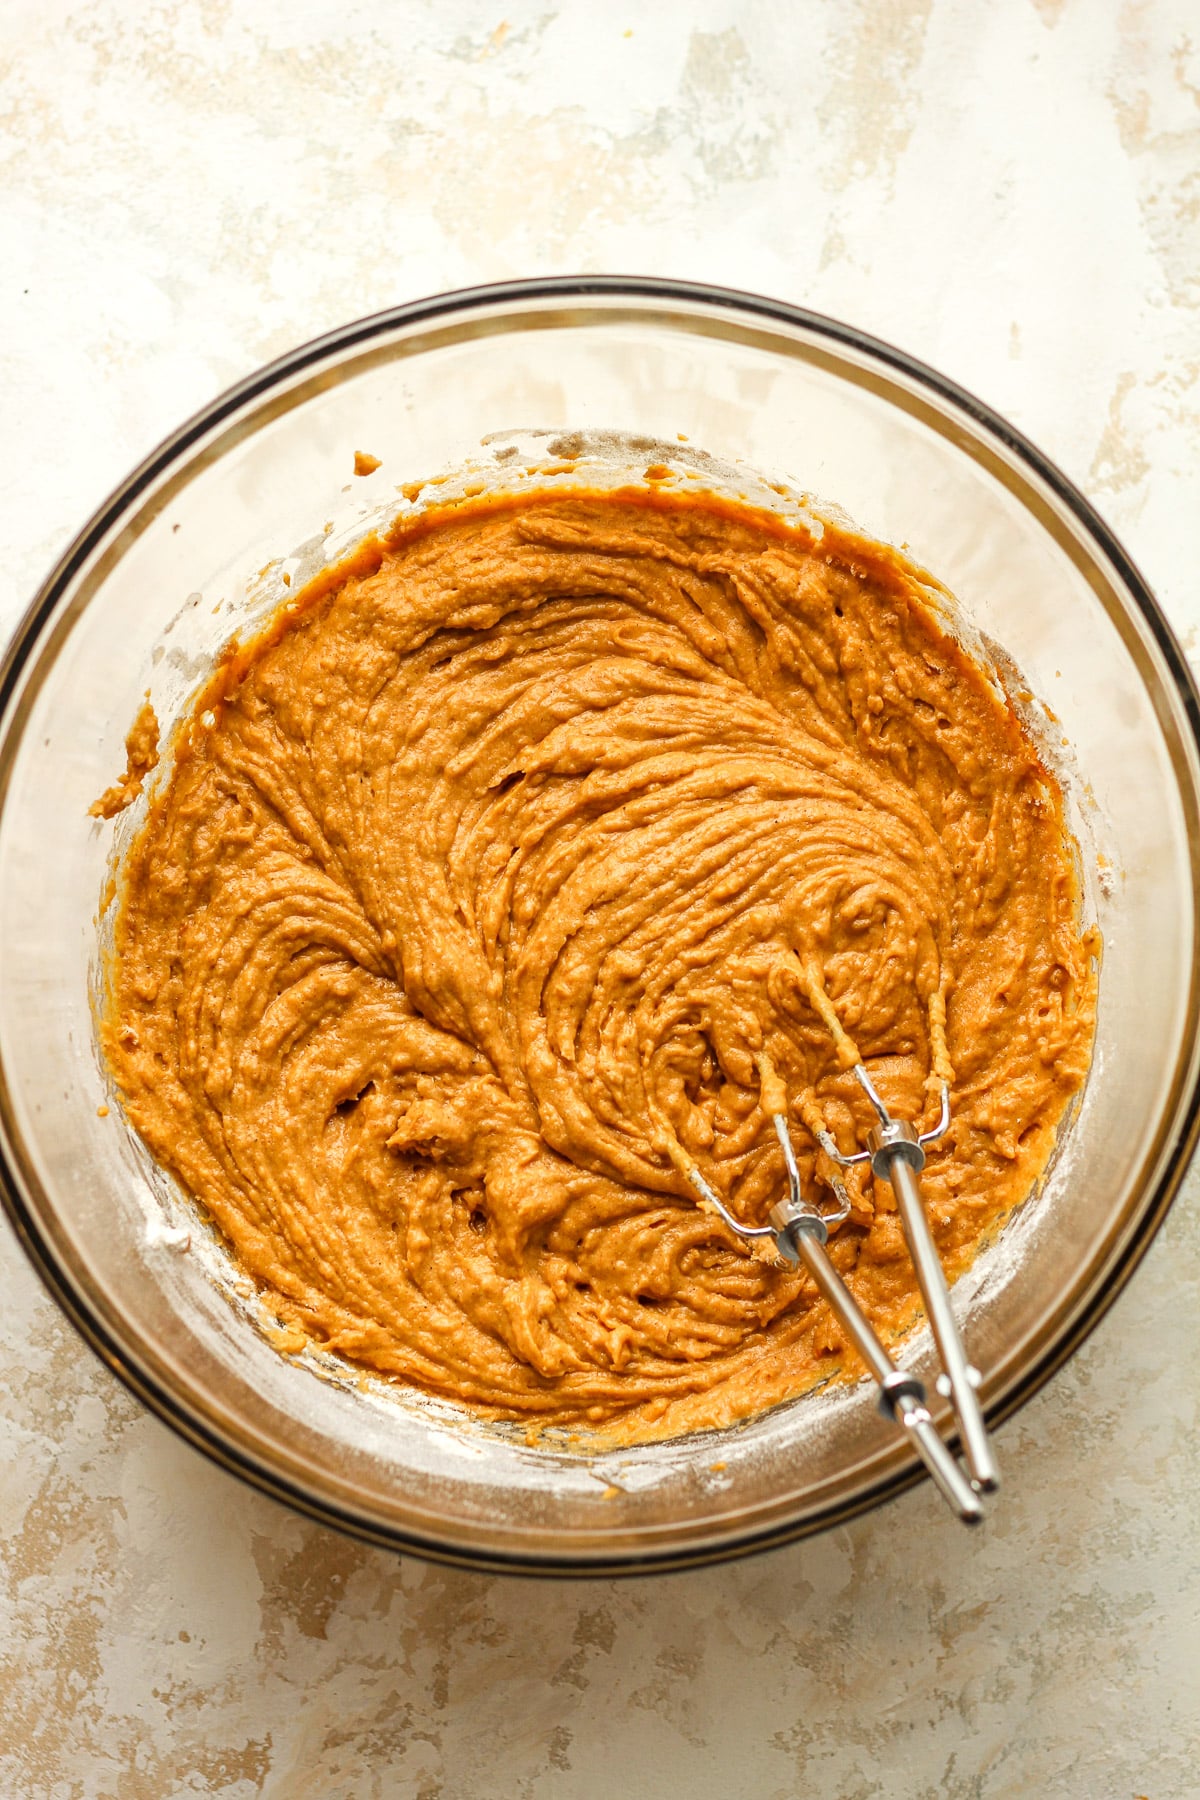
<point x="477" y="886"/>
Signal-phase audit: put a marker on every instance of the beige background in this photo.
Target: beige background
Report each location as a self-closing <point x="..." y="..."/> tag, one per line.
<point x="1008" y="188"/>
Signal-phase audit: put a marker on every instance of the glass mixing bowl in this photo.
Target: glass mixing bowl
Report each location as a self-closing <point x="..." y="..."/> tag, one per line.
<point x="195" y="545"/>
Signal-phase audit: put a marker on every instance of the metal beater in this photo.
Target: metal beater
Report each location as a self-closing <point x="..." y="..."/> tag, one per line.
<point x="800" y="1233"/>
<point x="896" y="1153"/>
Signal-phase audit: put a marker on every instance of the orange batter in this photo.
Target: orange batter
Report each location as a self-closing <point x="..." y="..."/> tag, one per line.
<point x="476" y="886"/>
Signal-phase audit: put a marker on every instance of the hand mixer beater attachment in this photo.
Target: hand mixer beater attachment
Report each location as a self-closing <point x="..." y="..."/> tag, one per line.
<point x="896" y="1154"/>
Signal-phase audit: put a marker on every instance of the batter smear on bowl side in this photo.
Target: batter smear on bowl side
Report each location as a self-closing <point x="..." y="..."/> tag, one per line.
<point x="480" y="889"/>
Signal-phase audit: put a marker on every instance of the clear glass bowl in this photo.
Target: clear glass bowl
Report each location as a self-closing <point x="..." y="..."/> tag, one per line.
<point x="189" y="549"/>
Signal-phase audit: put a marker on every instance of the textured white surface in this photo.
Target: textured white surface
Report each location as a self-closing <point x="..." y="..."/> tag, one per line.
<point x="1008" y="188"/>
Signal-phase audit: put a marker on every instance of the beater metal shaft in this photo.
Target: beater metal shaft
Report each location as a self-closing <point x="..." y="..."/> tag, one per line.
<point x="800" y="1235"/>
<point x="896" y="1153"/>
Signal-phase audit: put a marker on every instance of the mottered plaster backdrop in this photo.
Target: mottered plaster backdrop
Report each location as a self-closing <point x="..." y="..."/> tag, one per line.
<point x="1011" y="190"/>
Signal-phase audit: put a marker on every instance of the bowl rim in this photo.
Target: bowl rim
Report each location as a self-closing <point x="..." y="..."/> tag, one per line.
<point x="841" y="337"/>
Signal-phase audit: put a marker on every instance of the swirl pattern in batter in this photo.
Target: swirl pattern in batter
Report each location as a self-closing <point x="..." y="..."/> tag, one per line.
<point x="476" y="886"/>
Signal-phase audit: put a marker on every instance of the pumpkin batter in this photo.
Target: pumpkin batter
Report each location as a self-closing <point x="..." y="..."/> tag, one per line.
<point x="477" y="886"/>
